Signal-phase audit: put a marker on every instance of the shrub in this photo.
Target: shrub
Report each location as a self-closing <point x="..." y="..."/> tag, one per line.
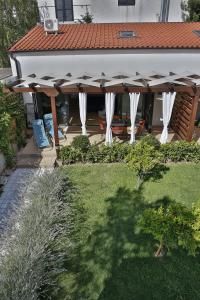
<point x="81" y="143"/>
<point x="171" y="226"/>
<point x="115" y="153"/>
<point x="144" y="160"/>
<point x="181" y="151"/>
<point x="96" y="154"/>
<point x="70" y="155"/>
<point x="152" y="141"/>
<point x="31" y="255"/>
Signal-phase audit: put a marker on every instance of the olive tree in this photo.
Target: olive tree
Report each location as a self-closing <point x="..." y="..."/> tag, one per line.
<point x="172" y="226"/>
<point x="145" y="160"/>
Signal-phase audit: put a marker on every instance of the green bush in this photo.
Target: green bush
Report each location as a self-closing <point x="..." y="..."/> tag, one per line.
<point x="152" y="141"/>
<point x="11" y="108"/>
<point x="172" y="226"/>
<point x="70" y="155"/>
<point x="96" y="154"/>
<point x="115" y="153"/>
<point x="181" y="151"/>
<point x="81" y="143"/>
<point x="31" y="255"/>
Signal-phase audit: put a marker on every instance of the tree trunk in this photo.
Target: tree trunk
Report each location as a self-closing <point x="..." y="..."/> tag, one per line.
<point x="161" y="251"/>
<point x="139" y="182"/>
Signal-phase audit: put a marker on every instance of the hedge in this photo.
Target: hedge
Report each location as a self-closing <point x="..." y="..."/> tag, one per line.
<point x="180" y="151"/>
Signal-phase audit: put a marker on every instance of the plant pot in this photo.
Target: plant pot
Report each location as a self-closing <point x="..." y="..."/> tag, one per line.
<point x="118" y="130"/>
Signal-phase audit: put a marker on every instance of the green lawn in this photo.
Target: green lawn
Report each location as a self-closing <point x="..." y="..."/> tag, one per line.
<point x="111" y="259"/>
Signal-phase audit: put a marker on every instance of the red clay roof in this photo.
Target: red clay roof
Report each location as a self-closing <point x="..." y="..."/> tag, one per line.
<point x="106" y="36"/>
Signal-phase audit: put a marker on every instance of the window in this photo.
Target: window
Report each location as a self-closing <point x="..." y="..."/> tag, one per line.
<point x="126" y="2"/>
<point x="197" y="32"/>
<point x="64" y="10"/>
<point x="127" y="34"/>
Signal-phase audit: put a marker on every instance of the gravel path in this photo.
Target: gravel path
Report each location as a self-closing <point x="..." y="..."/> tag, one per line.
<point x="18" y="182"/>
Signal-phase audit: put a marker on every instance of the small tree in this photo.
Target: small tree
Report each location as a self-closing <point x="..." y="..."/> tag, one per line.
<point x="172" y="226"/>
<point x="87" y="18"/>
<point x="145" y="160"/>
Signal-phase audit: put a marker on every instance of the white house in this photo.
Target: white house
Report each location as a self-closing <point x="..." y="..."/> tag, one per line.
<point x="94" y="60"/>
<point x="107" y="11"/>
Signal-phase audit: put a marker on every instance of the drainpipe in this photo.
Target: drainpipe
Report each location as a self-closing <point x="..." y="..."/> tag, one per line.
<point x="164" y="11"/>
<point x="17" y="64"/>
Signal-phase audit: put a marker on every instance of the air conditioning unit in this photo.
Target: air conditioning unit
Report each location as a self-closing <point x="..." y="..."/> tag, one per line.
<point x="51" y="25"/>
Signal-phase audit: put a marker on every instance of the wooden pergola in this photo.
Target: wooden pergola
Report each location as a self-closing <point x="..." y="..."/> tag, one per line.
<point x="186" y="85"/>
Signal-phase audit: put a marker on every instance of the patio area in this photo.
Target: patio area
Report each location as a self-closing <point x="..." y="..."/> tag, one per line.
<point x="33" y="157"/>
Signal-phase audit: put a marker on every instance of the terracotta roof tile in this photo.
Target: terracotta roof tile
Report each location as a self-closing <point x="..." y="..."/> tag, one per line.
<point x="106" y="36"/>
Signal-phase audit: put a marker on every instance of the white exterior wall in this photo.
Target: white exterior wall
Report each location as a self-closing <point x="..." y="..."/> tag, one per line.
<point x="111" y="63"/>
<point x="59" y="63"/>
<point x="107" y="11"/>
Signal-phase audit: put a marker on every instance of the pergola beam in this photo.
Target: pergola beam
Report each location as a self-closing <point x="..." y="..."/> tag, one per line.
<point x="151" y="82"/>
<point x="99" y="90"/>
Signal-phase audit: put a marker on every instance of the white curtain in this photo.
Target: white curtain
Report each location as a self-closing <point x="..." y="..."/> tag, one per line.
<point x="110" y="106"/>
<point x="83" y="111"/>
<point x="168" y="103"/>
<point x="134" y="100"/>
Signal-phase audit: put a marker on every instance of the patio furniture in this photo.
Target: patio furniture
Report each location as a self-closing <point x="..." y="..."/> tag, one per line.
<point x="118" y="126"/>
<point x="39" y="134"/>
<point x="140" y="128"/>
<point x="48" y="121"/>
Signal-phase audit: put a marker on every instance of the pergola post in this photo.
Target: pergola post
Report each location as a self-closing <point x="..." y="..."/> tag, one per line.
<point x="53" y="94"/>
<point x="55" y="122"/>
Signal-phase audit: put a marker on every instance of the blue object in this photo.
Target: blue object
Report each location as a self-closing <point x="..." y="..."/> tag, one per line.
<point x="48" y="121"/>
<point x="39" y="134"/>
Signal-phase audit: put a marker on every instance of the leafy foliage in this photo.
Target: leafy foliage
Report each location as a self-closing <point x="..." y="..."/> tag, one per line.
<point x="11" y="109"/>
<point x="87" y="18"/>
<point x="32" y="256"/>
<point x="70" y="155"/>
<point x="192" y="8"/>
<point x="16" y="18"/>
<point x="110" y="154"/>
<point x="151" y="140"/>
<point x="95" y="154"/>
<point x="5" y="147"/>
<point x="181" y="151"/>
<point x="81" y="143"/>
<point x="172" y="226"/>
<point x="144" y="159"/>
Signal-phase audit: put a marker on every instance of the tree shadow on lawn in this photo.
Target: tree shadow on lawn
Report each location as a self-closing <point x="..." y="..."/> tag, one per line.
<point x="117" y="262"/>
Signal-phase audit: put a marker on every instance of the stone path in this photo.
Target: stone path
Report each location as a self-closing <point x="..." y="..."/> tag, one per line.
<point x="18" y="182"/>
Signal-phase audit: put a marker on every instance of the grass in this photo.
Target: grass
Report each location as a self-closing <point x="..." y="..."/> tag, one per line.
<point x="111" y="259"/>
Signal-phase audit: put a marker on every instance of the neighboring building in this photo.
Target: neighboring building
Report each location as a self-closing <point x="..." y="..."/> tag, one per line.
<point x="109" y="11"/>
<point x="122" y="58"/>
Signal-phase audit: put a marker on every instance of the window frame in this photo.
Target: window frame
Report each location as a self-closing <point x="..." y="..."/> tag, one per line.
<point x="64" y="9"/>
<point x="128" y="4"/>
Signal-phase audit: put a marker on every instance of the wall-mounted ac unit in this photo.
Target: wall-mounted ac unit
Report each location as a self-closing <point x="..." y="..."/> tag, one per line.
<point x="50" y="25"/>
